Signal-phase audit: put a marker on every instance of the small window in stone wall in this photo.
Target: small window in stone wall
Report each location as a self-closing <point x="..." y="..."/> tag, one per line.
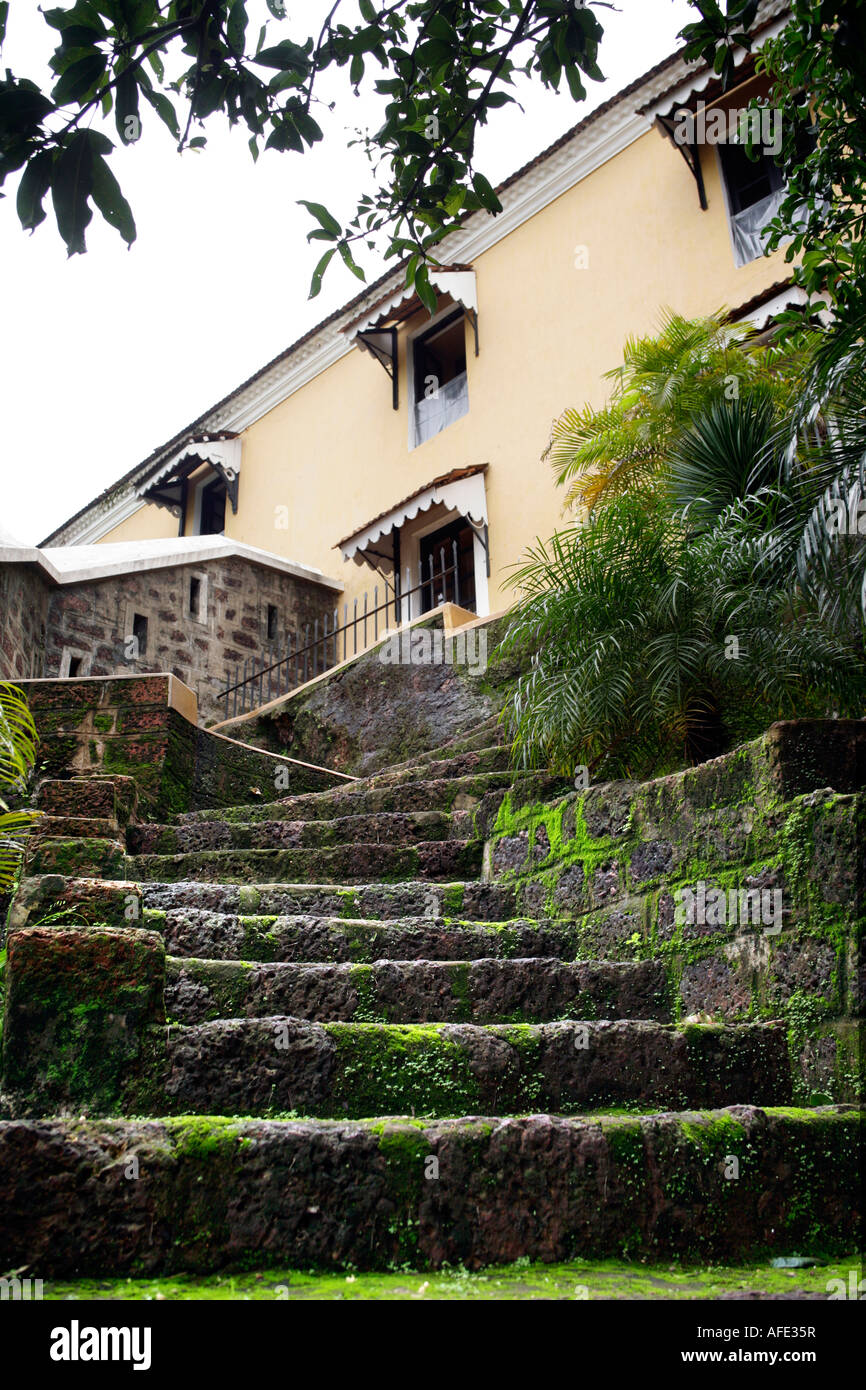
<point x="74" y="663"/>
<point x="273" y="619"/>
<point x="197" y="597"/>
<point x="139" y="632"/>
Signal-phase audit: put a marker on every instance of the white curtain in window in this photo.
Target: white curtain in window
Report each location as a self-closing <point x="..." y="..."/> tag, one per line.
<point x="748" y="226"/>
<point x="435" y="413"/>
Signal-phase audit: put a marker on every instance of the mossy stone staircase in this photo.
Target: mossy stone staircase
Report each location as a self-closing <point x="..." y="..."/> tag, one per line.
<point x="412" y="1020"/>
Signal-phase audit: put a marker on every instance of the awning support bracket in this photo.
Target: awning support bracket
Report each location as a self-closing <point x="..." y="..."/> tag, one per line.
<point x="473" y="319"/>
<point x="690" y="153"/>
<point x="230" y="478"/>
<point x="483" y="535"/>
<point x="388" y="360"/>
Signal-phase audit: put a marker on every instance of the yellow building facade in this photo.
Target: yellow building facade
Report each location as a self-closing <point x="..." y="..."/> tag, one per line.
<point x="386" y="440"/>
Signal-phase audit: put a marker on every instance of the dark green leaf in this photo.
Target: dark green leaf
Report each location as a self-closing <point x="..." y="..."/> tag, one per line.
<point x="425" y="290"/>
<point x="316" y="282"/>
<point x="236" y="27"/>
<point x="309" y="129"/>
<point x="164" y="109"/>
<point x="111" y="202"/>
<point x="84" y="12"/>
<point x="126" y="107"/>
<point x="285" y="136"/>
<point x="284" y="55"/>
<point x="322" y="216"/>
<point x="22" y="106"/>
<point x="35" y="182"/>
<point x="71" y="185"/>
<point x="82" y="36"/>
<point x="486" y="194"/>
<point x="575" y="86"/>
<point x="80" y="79"/>
<point x="346" y="254"/>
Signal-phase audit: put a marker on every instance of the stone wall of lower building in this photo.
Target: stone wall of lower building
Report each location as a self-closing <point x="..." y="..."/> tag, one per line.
<point x="139" y="728"/>
<point x="194" y="621"/>
<point x="24" y="602"/>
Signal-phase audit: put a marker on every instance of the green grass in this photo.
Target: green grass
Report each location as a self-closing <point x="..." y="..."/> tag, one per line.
<point x="580" y="1279"/>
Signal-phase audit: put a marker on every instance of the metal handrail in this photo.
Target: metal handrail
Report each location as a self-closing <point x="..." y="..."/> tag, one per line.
<point x="308" y="655"/>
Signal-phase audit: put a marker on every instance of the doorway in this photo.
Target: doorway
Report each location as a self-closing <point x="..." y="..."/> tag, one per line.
<point x="437" y="556"/>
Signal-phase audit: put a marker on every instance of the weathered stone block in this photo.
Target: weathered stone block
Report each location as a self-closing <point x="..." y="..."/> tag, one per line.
<point x="76" y="858"/>
<point x="81" y="1003"/>
<point x="73" y="901"/>
<point x="540" y="1187"/>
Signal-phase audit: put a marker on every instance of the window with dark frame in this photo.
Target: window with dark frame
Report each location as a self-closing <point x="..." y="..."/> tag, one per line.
<point x="439" y="391"/>
<point x="273" y="619"/>
<point x="75" y="665"/>
<point x="212" y="521"/>
<point x="194" y="596"/>
<point x="139" y="632"/>
<point x="748" y="180"/>
<point x="440" y="353"/>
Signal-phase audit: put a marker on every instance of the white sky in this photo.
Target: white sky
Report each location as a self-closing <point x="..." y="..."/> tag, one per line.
<point x="105" y="356"/>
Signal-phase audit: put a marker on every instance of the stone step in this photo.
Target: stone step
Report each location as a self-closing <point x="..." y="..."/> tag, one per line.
<point x="382" y="828"/>
<point x="492" y="758"/>
<point x="360" y="798"/>
<point x="200" y="932"/>
<point x="338" y="864"/>
<point x="109" y="798"/>
<point x="486" y="734"/>
<point x="96" y="856"/>
<point x="418" y="991"/>
<point x="473" y="900"/>
<point x="273" y="1065"/>
<point x="74" y="828"/>
<point x="467" y="1192"/>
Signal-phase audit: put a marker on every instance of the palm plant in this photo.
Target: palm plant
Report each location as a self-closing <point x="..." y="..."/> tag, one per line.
<point x="649" y="645"/>
<point x="18" y="745"/>
<point x="663" y="383"/>
<point x="825" y="461"/>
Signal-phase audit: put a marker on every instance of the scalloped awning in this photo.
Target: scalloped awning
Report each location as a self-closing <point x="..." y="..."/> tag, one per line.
<point x="462" y="490"/>
<point x="222" y="452"/>
<point x="457" y="281"/>
<point x="687" y="95"/>
<point x="376" y="331"/>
